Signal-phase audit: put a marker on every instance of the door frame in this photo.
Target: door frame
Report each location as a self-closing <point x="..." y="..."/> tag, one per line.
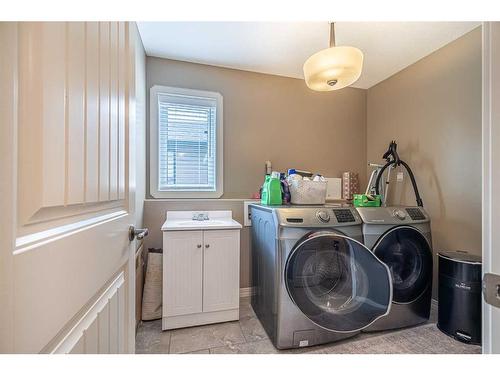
<point x="486" y="169"/>
<point x="130" y="152"/>
<point x="491" y="176"/>
<point x="8" y="152"/>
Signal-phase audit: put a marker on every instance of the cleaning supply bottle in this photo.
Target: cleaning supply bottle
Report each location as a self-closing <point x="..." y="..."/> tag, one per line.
<point x="285" y="189"/>
<point x="271" y="191"/>
<point x="264" y="191"/>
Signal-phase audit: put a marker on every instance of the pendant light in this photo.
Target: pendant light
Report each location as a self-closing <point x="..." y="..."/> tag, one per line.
<point x="333" y="68"/>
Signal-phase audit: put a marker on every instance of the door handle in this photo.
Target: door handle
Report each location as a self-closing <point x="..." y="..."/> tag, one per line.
<point x="207" y="246"/>
<point x="491" y="289"/>
<point x="137" y="233"/>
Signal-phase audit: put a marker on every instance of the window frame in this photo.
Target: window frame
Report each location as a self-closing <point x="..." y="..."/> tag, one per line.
<point x="154" y="140"/>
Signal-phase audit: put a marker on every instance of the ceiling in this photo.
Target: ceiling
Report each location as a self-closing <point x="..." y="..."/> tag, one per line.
<point x="281" y="48"/>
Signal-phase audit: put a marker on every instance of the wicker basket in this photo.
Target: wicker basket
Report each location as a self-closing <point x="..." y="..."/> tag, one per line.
<point x="308" y="192"/>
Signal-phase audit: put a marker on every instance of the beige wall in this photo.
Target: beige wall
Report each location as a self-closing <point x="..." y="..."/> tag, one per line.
<point x="275" y="118"/>
<point x="266" y="117"/>
<point x="433" y="110"/>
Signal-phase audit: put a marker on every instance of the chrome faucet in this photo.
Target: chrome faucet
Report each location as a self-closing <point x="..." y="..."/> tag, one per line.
<point x="200" y="216"/>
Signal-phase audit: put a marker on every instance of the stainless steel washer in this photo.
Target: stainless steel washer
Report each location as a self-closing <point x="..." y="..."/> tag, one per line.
<point x="401" y="238"/>
<point x="315" y="282"/>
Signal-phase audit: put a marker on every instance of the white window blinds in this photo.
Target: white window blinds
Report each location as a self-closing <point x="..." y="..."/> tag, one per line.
<point x="187" y="157"/>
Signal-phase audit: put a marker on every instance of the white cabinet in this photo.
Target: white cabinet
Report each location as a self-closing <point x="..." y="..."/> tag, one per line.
<point x="182" y="273"/>
<point x="201" y="271"/>
<point x="221" y="270"/>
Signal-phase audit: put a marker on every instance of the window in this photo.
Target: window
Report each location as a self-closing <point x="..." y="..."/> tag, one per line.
<point x="186" y="143"/>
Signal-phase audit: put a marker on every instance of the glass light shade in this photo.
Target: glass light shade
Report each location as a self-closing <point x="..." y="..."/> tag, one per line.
<point x="333" y="68"/>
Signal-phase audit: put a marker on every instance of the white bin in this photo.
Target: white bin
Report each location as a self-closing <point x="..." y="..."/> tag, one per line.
<point x="308" y="192"/>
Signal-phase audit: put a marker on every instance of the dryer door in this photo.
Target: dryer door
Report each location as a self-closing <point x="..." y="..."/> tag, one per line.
<point x="337" y="282"/>
<point x="408" y="255"/>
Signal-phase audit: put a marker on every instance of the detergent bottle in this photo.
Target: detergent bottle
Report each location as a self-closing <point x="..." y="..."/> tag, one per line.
<point x="271" y="190"/>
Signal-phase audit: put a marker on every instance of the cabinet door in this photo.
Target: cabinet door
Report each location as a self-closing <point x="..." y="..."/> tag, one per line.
<point x="182" y="272"/>
<point x="221" y="270"/>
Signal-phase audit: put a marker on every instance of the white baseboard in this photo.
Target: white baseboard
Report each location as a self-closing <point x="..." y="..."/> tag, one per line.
<point x="246" y="292"/>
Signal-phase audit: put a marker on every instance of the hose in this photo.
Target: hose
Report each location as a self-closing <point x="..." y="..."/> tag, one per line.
<point x="420" y="203"/>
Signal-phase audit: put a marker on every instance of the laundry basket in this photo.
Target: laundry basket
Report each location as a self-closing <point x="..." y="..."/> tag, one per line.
<point x="152" y="296"/>
<point x="308" y="192"/>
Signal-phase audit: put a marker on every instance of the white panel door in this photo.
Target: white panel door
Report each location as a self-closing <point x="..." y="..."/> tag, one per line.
<point x="67" y="190"/>
<point x="182" y="272"/>
<point x="221" y="270"/>
<point x="491" y="178"/>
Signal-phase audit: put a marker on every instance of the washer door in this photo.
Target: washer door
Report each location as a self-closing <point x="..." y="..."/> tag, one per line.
<point x="337" y="282"/>
<point x="409" y="257"/>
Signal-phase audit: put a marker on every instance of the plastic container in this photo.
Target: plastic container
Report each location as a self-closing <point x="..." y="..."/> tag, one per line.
<point x="271" y="192"/>
<point x="292" y="177"/>
<point x="307" y="192"/>
<point x="361" y="200"/>
<point x="459" y="303"/>
<point x="285" y="189"/>
<point x="300" y="172"/>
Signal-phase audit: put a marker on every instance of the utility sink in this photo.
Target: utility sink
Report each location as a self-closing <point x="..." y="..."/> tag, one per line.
<point x="183" y="220"/>
<point x="204" y="223"/>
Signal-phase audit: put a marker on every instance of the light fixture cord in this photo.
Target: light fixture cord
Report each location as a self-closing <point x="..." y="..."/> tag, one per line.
<point x="332" y="34"/>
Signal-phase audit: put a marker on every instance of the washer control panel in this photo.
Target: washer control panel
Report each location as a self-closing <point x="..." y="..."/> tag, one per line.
<point x="323" y="216"/>
<point x="319" y="216"/>
<point x="344" y="215"/>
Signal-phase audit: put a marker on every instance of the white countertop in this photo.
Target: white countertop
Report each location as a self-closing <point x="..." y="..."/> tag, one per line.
<point x="183" y="220"/>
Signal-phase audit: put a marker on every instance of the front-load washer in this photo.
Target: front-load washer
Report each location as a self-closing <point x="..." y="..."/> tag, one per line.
<point x="401" y="238"/>
<point x="315" y="282"/>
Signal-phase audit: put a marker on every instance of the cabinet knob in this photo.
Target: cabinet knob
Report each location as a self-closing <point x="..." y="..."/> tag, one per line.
<point x="198" y="246"/>
<point x="207" y="246"/>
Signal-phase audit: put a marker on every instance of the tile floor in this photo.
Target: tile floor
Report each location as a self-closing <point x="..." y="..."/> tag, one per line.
<point x="247" y="336"/>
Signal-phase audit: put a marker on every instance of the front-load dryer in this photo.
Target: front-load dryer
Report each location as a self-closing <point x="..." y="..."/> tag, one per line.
<point x="401" y="238"/>
<point x="315" y="282"/>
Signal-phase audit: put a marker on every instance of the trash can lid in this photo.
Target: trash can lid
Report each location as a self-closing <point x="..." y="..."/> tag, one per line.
<point x="461" y="256"/>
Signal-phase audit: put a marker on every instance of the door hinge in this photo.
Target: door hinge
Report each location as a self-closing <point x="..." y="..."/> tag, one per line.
<point x="491" y="289"/>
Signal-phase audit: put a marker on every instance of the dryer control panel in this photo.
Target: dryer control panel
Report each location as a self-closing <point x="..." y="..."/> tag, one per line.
<point x="415" y="213"/>
<point x="393" y="215"/>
